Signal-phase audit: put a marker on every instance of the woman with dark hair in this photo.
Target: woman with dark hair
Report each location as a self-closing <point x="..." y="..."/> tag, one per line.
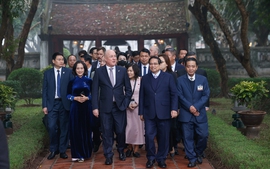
<point x="122" y="59"/>
<point x="165" y="66"/>
<point x="135" y="127"/>
<point x="80" y="113"/>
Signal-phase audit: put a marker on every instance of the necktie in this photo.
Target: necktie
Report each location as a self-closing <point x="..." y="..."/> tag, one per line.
<point x="144" y="70"/>
<point x="58" y="83"/>
<point x="111" y="76"/>
<point x="191" y="79"/>
<point x="89" y="73"/>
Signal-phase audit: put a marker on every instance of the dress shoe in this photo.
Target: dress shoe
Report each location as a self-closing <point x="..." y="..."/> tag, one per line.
<point x="96" y="147"/>
<point x="162" y="164"/>
<point x="52" y="155"/>
<point x="108" y="161"/>
<point x="136" y="154"/>
<point x="186" y="157"/>
<point x="129" y="152"/>
<point x="191" y="164"/>
<point x="122" y="156"/>
<point x="199" y="159"/>
<point x="63" y="155"/>
<point x="150" y="163"/>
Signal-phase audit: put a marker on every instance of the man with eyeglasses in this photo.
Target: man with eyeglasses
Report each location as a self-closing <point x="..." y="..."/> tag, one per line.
<point x="171" y="53"/>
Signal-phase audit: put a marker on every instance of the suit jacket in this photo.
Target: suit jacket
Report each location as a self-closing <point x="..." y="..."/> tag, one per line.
<point x="121" y="90"/>
<point x="159" y="102"/>
<point x="140" y="66"/>
<point x="178" y="67"/>
<point x="49" y="87"/>
<point x="196" y="97"/>
<point x="94" y="66"/>
<point x="4" y="154"/>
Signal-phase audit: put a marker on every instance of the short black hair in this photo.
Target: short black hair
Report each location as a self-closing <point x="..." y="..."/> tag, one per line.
<point x="155" y="57"/>
<point x="121" y="53"/>
<point x="190" y="54"/>
<point x="70" y="56"/>
<point x="87" y="58"/>
<point x="55" y="54"/>
<point x="92" y="50"/>
<point x="84" y="67"/>
<point x="191" y="59"/>
<point x="82" y="52"/>
<point x="172" y="50"/>
<point x="135" y="53"/>
<point x="145" y="50"/>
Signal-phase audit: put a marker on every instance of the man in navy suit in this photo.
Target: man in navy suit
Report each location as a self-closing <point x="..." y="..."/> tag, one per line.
<point x="171" y="53"/>
<point x="144" y="59"/>
<point x="56" y="105"/>
<point x="111" y="93"/>
<point x="158" y="104"/>
<point x="193" y="92"/>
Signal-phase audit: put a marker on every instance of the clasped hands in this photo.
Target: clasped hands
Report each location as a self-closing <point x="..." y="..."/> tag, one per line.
<point x="194" y="111"/>
<point x="81" y="98"/>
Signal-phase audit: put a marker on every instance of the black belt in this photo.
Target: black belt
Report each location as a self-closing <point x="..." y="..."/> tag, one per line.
<point x="58" y="99"/>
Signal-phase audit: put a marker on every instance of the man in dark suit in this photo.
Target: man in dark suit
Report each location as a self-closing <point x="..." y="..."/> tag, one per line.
<point x="198" y="71"/>
<point x="143" y="63"/>
<point x="4" y="155"/>
<point x="56" y="105"/>
<point x="158" y="104"/>
<point x="111" y="93"/>
<point x="171" y="53"/>
<point x="193" y="92"/>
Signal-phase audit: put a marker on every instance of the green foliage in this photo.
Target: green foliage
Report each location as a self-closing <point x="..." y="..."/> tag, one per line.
<point x="66" y="52"/>
<point x="31" y="82"/>
<point x="7" y="97"/>
<point x="228" y="144"/>
<point x="15" y="85"/>
<point x="249" y="93"/>
<point x="28" y="137"/>
<point x="213" y="82"/>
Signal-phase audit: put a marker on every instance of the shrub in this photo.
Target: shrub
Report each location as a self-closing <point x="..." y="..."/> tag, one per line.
<point x="30" y="80"/>
<point x="66" y="52"/>
<point x="213" y="82"/>
<point x="7" y="97"/>
<point x="15" y="85"/>
<point x="46" y="68"/>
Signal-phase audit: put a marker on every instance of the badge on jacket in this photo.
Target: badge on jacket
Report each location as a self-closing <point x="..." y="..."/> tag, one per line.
<point x="200" y="87"/>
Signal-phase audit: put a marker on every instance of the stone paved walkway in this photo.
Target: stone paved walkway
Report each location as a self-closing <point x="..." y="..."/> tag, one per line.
<point x="97" y="162"/>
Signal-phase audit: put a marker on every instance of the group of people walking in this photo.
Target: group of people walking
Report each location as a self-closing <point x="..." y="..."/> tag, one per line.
<point x="139" y="98"/>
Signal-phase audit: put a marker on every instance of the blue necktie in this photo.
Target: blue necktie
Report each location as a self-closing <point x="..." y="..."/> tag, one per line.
<point x="58" y="84"/>
<point x="144" y="70"/>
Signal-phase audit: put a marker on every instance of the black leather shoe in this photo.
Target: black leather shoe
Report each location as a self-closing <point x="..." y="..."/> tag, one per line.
<point x="96" y="147"/>
<point x="129" y="152"/>
<point x="136" y="154"/>
<point x="63" y="155"/>
<point x="150" y="163"/>
<point x="191" y="164"/>
<point x="108" y="161"/>
<point x="199" y="159"/>
<point x="52" y="155"/>
<point x="122" y="156"/>
<point x="162" y="164"/>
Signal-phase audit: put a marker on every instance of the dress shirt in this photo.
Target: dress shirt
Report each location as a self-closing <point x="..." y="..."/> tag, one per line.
<point x="147" y="68"/>
<point x="193" y="77"/>
<point x="89" y="72"/>
<point x="156" y="75"/>
<point x="108" y="70"/>
<point x="55" y="76"/>
<point x="173" y="66"/>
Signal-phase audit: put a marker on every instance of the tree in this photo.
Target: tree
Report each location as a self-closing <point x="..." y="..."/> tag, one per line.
<point x="199" y="10"/>
<point x="11" y="9"/>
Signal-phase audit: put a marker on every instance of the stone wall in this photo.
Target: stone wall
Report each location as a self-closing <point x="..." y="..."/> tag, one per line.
<point x="260" y="57"/>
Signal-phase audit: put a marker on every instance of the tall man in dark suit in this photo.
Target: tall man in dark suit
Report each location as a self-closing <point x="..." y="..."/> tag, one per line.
<point x="111" y="93"/>
<point x="158" y="104"/>
<point x="143" y="63"/>
<point x="193" y="92"/>
<point x="171" y="53"/>
<point x="56" y="105"/>
<point x="4" y="154"/>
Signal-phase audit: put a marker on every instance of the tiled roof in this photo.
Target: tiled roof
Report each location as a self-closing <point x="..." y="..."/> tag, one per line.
<point x="118" y="19"/>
